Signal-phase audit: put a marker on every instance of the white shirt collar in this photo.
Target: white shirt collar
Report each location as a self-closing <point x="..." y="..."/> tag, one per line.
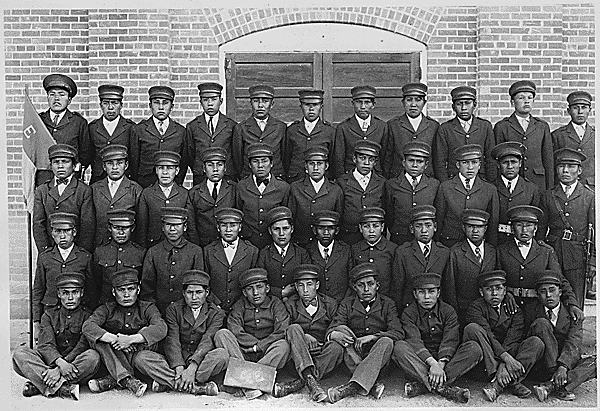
<point x="310" y="125"/>
<point x="524" y="121"/>
<point x="463" y="122"/>
<point x="415" y="122"/>
<point x="110" y="126"/>
<point x="60" y="115"/>
<point x="473" y="247"/>
<point x="571" y="187"/>
<point x="317" y="185"/>
<point x="279" y="249"/>
<point x="65" y="253"/>
<point x="463" y="179"/>
<point x="518" y="241"/>
<point x="264" y="120"/>
<point x="422" y="246"/>
<point x="361" y="121"/>
<point x="410" y="178"/>
<point x="196" y="311"/>
<point x="165" y="123"/>
<point x="230" y="245"/>
<point x="358" y="176"/>
<point x="166" y="190"/>
<point x="211" y="184"/>
<point x="254" y="179"/>
<point x="322" y="249"/>
<point x="513" y="182"/>
<point x="215" y="119"/>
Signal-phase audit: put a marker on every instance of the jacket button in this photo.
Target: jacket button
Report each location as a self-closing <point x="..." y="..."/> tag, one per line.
<point x="468" y="197"/>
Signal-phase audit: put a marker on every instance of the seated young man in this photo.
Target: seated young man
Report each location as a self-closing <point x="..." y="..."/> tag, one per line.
<point x="507" y="357"/>
<point x="561" y="367"/>
<point x="311" y="313"/>
<point x="63" y="357"/>
<point x="125" y="333"/>
<point x="431" y="355"/>
<point x="256" y="326"/>
<point x="366" y="325"/>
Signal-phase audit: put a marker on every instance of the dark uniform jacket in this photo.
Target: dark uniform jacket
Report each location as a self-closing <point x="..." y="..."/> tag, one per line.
<point x="433" y="333"/>
<point x="113" y="257"/>
<point x="451" y="135"/>
<point x="524" y="193"/>
<point x="281" y="269"/>
<point x="317" y="324"/>
<point x="188" y="338"/>
<point x="382" y="256"/>
<point x="400" y="132"/>
<point x="205" y="208"/>
<point x="333" y="275"/>
<point x="355" y="199"/>
<point x="162" y="272"/>
<point x="75" y="199"/>
<point x="199" y="139"/>
<point x="60" y="334"/>
<point x="141" y="318"/>
<point x="538" y="162"/>
<point x="452" y="198"/>
<point x="146" y="140"/>
<point x="298" y="140"/>
<point x="72" y="130"/>
<point x="260" y="326"/>
<point x="410" y="261"/>
<point x="50" y="265"/>
<point x="304" y="202"/>
<point x="100" y="139"/>
<point x="399" y="198"/>
<point x="566" y="137"/>
<point x="248" y="132"/>
<point x="347" y="133"/>
<point x="126" y="197"/>
<point x="224" y="277"/>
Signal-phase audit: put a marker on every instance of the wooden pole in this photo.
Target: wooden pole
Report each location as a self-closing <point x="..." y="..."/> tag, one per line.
<point x="30" y="279"/>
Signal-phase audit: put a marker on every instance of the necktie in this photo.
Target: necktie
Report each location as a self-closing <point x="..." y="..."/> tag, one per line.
<point x="264" y="181"/>
<point x="524" y="123"/>
<point x="426" y="251"/>
<point x="466" y="126"/>
<point x="498" y="310"/>
<point x="549" y="314"/>
<point x="365" y="126"/>
<point x="55" y="121"/>
<point x="326" y="252"/>
<point x="508" y="186"/>
<point x="211" y="127"/>
<point x="282" y="253"/>
<point x="214" y="192"/>
<point x="478" y="254"/>
<point x="112" y="187"/>
<point x="161" y="130"/>
<point x="568" y="191"/>
<point x="468" y="184"/>
<point x="414" y="182"/>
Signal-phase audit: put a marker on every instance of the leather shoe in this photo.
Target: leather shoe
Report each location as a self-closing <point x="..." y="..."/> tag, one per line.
<point x="341" y="391"/>
<point x="158" y="387"/>
<point x="281" y="389"/>
<point x="102" y="384"/>
<point x="210" y="388"/>
<point x="29" y="390"/>
<point x="492" y="390"/>
<point x="69" y="391"/>
<point x="414" y="388"/>
<point x="317" y="393"/>
<point x="519" y="390"/>
<point x="134" y="385"/>
<point x="542" y="391"/>
<point x="377" y="390"/>
<point x="565" y="395"/>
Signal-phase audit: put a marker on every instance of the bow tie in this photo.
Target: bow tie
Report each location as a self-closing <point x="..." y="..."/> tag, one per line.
<point x="523" y="243"/>
<point x="60" y="181"/>
<point x="264" y="181"/>
<point x="226" y="245"/>
<point x="313" y="303"/>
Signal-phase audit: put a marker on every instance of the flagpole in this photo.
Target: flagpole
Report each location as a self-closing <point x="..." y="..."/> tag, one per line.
<point x="30" y="279"/>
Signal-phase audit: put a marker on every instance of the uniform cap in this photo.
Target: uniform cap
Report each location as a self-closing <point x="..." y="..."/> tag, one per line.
<point x="414" y="89"/>
<point x="422" y="212"/>
<point x="210" y="89"/>
<point x="579" y="97"/>
<point x="253" y="275"/>
<point x="326" y="217"/>
<point x="63" y="221"/>
<point x="278" y="214"/>
<point x="417" y="148"/>
<point x="468" y="152"/>
<point x="259" y="150"/>
<point x="423" y="279"/>
<point x="125" y="276"/>
<point x="521" y="86"/>
<point x="229" y="215"/>
<point x="363" y="270"/>
<point x="306" y="271"/>
<point x="195" y="277"/>
<point x="261" y="91"/>
<point x="173" y="215"/>
<point x="316" y="153"/>
<point x="508" y="148"/>
<point x="367" y="147"/>
<point x="110" y="91"/>
<point x="372" y="214"/>
<point x="494" y="276"/>
<point x="214" y="154"/>
<point x="363" y="92"/>
<point x="161" y="92"/>
<point x="475" y="216"/>
<point x="121" y="217"/>
<point x="548" y="277"/>
<point x="311" y="96"/>
<point x="114" y="152"/>
<point x="62" y="150"/>
<point x="569" y="156"/>
<point x="524" y="213"/>
<point x="70" y="279"/>
<point x="60" y="81"/>
<point x="166" y="158"/>
<point x="463" y="92"/>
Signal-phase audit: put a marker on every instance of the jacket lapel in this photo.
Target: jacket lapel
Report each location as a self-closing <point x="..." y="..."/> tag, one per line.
<point x="151" y="128"/>
<point x="240" y="253"/>
<point x="69" y="190"/>
<point x="188" y="316"/>
<point x="121" y="191"/>
<point x="419" y="254"/>
<point x="170" y="130"/>
<point x="220" y="254"/>
<point x="469" y="254"/>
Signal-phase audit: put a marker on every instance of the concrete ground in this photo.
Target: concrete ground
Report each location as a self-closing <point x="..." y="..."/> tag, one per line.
<point x="392" y="397"/>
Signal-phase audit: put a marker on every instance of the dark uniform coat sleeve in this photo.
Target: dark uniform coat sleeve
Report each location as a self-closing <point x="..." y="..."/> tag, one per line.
<point x="566" y="137"/>
<point x="281" y="270"/>
<point x="60" y="334"/>
<point x="298" y="140"/>
<point x="100" y="139"/>
<point x="333" y="275"/>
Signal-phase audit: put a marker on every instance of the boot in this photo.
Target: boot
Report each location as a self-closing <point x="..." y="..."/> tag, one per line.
<point x="414" y="388"/>
<point x="519" y="390"/>
<point x="281" y="389"/>
<point x="492" y="390"/>
<point x="377" y="390"/>
<point x="69" y="391"/>
<point x="209" y="388"/>
<point x="453" y="393"/>
<point x="158" y="387"/>
<point x="317" y="394"/>
<point x="29" y="390"/>
<point x="102" y="384"/>
<point x="565" y="395"/>
<point x="342" y="391"/>
<point x="543" y="390"/>
<point x="134" y="385"/>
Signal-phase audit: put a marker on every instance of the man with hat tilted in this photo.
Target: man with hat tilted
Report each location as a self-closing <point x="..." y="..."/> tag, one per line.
<point x="114" y="191"/>
<point x="119" y="253"/>
<point x="362" y="188"/>
<point x="413" y="125"/>
<point x="63" y="193"/>
<point x="211" y="194"/>
<point x="63" y="357"/>
<point x="256" y="326"/>
<point x="65" y="126"/>
<point x="408" y="190"/>
<point x="361" y="126"/>
<point x="465" y="128"/>
<point x="157" y="133"/>
<point x="211" y="129"/>
<point x="228" y="257"/>
<point x="570" y="215"/>
<point x="258" y="193"/>
<point x="366" y="324"/>
<point x="111" y="128"/>
<point x="465" y="190"/>
<point x="310" y="132"/>
<point x="532" y="132"/>
<point x="513" y="190"/>
<point x="260" y="127"/>
<point x="312" y="194"/>
<point x="125" y="333"/>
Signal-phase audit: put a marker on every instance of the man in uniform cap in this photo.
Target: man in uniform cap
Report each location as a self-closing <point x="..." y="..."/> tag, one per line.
<point x="570" y="215"/>
<point x="256" y="325"/>
<point x="211" y="129"/>
<point x="312" y="194"/>
<point x="361" y="126"/>
<point x="63" y="357"/>
<point x="408" y="190"/>
<point x="258" y="193"/>
<point x="158" y="133"/>
<point x="125" y="333"/>
<point x="281" y="257"/>
<point x="65" y="126"/>
<point x="421" y="255"/>
<point x="562" y="367"/>
<point x="119" y="253"/>
<point x="507" y="357"/>
<point x="211" y="194"/>
<point x="111" y="128"/>
<point x="431" y="354"/>
<point x="228" y="257"/>
<point x="413" y="125"/>
<point x="310" y="132"/>
<point x="465" y="128"/>
<point x="114" y="191"/>
<point x="260" y="127"/>
<point x="331" y="255"/>
<point x="311" y="313"/>
<point x="366" y="324"/>
<point x="361" y="187"/>
<point x="532" y="132"/>
<point x="465" y="190"/>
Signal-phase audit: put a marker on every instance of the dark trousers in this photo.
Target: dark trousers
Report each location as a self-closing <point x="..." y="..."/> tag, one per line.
<point x="324" y="362"/>
<point x="578" y="282"/>
<point x="276" y="355"/>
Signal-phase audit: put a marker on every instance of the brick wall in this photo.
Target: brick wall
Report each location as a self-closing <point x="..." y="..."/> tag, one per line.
<point x="488" y="47"/>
